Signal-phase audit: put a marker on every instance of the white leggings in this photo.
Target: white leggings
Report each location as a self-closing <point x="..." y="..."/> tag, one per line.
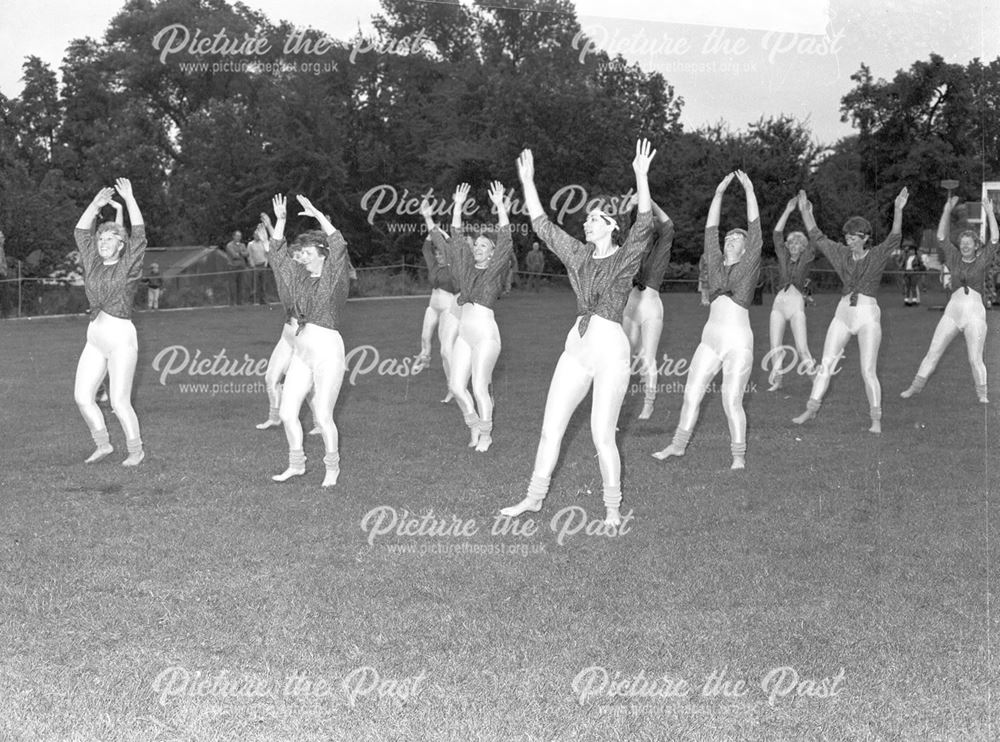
<point x="474" y="356"/>
<point x="601" y="358"/>
<point x="964" y="314"/>
<point x="865" y="321"/>
<point x="442" y="311"/>
<point x="727" y="344"/>
<point x="789" y="307"/>
<point x="317" y="363"/>
<point x="277" y="365"/>
<point x="642" y="322"/>
<point x="111" y="348"/>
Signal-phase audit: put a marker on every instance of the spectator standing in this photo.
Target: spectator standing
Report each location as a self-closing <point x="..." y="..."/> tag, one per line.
<point x="913" y="268"/>
<point x="257" y="259"/>
<point x="154" y="284"/>
<point x="236" y="251"/>
<point x="534" y="262"/>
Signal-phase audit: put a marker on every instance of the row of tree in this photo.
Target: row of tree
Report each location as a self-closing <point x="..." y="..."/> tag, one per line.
<point x="206" y="149"/>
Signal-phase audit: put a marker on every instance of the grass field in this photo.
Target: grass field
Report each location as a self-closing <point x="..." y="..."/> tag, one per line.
<point x="193" y="599"/>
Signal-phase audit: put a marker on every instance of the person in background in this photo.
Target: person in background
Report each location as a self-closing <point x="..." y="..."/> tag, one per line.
<point x="480" y="274"/>
<point x="442" y="311"/>
<point x="642" y="319"/>
<point x="236" y="251"/>
<point x="913" y="268"/>
<point x="534" y="262"/>
<point x="154" y="284"/>
<point x="795" y="258"/>
<point x="512" y="270"/>
<point x="257" y="260"/>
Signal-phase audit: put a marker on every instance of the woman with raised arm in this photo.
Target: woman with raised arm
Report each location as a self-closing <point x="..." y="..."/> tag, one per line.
<point x="442" y="310"/>
<point x="795" y="258"/>
<point x="966" y="313"/>
<point x="111" y="272"/>
<point x="317" y="279"/>
<point x="642" y="319"/>
<point x="597" y="350"/>
<point x="731" y="275"/>
<point x="281" y="356"/>
<point x="858" y="313"/>
<point x="480" y="273"/>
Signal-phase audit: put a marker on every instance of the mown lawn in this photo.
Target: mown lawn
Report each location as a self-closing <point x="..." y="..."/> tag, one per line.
<point x="194" y="599"/>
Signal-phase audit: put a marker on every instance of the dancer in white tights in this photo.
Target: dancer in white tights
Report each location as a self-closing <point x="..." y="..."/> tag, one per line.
<point x="481" y="274"/>
<point x="111" y="272"/>
<point x="795" y="258"/>
<point x="642" y="319"/>
<point x="727" y="340"/>
<point x="596" y="351"/>
<point x="284" y="349"/>
<point x="318" y="283"/>
<point x="858" y="313"/>
<point x="968" y="264"/>
<point x="442" y="311"/>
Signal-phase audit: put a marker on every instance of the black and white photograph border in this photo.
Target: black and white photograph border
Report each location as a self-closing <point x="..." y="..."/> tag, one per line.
<point x="516" y="370"/>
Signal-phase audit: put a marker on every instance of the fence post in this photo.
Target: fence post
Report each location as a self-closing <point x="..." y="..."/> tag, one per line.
<point x="18" y="289"/>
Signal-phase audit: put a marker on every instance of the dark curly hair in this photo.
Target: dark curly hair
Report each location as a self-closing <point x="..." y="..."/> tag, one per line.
<point x="858" y="224"/>
<point x="312" y="238"/>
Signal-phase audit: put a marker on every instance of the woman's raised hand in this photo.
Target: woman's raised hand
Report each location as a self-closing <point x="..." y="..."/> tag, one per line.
<point x="308" y="209"/>
<point x="124" y="188"/>
<point x="803" y="201"/>
<point x="724" y="183"/>
<point x="644" y="154"/>
<point x="498" y="195"/>
<point x="103" y="197"/>
<point x="461" y="193"/>
<point x="526" y="166"/>
<point x="280" y="206"/>
<point x="901" y="199"/>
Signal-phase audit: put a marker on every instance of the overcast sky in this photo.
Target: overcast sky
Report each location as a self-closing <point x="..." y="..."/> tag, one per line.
<point x="731" y="61"/>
